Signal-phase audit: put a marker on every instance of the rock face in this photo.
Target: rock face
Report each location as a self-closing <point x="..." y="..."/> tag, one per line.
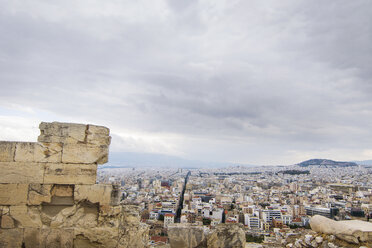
<point x="227" y="235"/>
<point x="222" y="236"/>
<point x="186" y="236"/>
<point x="352" y="231"/>
<point x="48" y="195"/>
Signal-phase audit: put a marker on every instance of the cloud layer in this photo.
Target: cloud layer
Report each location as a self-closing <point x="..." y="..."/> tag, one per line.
<point x="239" y="81"/>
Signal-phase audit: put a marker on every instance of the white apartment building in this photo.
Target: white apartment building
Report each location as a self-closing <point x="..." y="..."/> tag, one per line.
<point x="269" y="214"/>
<point x="253" y="222"/>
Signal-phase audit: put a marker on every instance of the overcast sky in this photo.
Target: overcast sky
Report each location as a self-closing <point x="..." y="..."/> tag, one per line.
<point x="258" y="82"/>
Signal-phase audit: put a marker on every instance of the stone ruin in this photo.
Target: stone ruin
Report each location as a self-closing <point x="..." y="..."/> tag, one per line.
<point x="49" y="196"/>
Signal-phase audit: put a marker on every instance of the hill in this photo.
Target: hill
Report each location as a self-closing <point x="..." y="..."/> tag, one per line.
<point x="326" y="163"/>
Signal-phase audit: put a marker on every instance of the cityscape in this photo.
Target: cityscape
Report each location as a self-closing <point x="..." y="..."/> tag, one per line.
<point x="271" y="202"/>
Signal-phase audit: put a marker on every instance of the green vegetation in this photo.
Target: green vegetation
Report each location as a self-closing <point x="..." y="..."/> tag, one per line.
<point x="295" y="172"/>
<point x="206" y="221"/>
<point x="255" y="239"/>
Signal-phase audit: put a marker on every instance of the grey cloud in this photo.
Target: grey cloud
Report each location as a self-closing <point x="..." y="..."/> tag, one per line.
<point x="275" y="76"/>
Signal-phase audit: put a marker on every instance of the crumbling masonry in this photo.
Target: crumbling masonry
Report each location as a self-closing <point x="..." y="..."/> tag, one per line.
<point x="49" y="196"/>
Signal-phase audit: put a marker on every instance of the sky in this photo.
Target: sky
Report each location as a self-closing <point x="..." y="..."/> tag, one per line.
<point x="256" y="82"/>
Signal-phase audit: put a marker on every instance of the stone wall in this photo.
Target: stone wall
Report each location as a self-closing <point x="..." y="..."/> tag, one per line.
<point x="49" y="196"/>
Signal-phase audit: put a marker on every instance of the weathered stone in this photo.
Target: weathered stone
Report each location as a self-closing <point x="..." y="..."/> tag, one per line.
<point x="85" y="153"/>
<point x="134" y="236"/>
<point x="39" y="193"/>
<point x="186" y="235"/>
<point x="26" y="216"/>
<point x="38" y="152"/>
<point x="132" y="232"/>
<point x="7" y="150"/>
<point x="96" y="193"/>
<point x="352" y="231"/>
<point x="4" y="210"/>
<point x="57" y="132"/>
<point x="21" y="172"/>
<point x="11" y="238"/>
<point x="99" y="237"/>
<point x="227" y="235"/>
<point x="13" y="194"/>
<point x="63" y="190"/>
<point x="81" y="215"/>
<point x="98" y="135"/>
<point x="70" y="173"/>
<point x="32" y="238"/>
<point x="57" y="238"/>
<point x="7" y="222"/>
<point x="109" y="215"/>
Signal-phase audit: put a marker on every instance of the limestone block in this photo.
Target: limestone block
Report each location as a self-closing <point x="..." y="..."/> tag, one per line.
<point x="57" y="132"/>
<point x="7" y="222"/>
<point x="21" y="172"/>
<point x="11" y="238"/>
<point x="352" y="231"/>
<point x="186" y="235"/>
<point x="98" y="135"/>
<point x="7" y="150"/>
<point x="38" y="152"/>
<point x="227" y="235"/>
<point x="26" y="216"/>
<point x="39" y="193"/>
<point x="13" y="194"/>
<point x="96" y="193"/>
<point x="61" y="238"/>
<point x="70" y="173"/>
<point x="62" y="190"/>
<point x="85" y="153"/>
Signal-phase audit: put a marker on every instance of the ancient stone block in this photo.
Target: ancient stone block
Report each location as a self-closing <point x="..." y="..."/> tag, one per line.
<point x="96" y="193"/>
<point x="38" y="152"/>
<point x="57" y="132"/>
<point x="13" y="194"/>
<point x="84" y="153"/>
<point x="70" y="173"/>
<point x="26" y="216"/>
<point x="7" y="222"/>
<point x="11" y="238"/>
<point x="62" y="190"/>
<point x="39" y="193"/>
<point x="7" y="150"/>
<point x="21" y="172"/>
<point x="61" y="238"/>
<point x="98" y="135"/>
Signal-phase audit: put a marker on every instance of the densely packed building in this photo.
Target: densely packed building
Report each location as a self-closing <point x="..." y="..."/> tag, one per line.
<point x="264" y="199"/>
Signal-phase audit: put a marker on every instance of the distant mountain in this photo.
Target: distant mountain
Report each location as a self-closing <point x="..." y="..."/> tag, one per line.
<point x="326" y="163"/>
<point x="136" y="159"/>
